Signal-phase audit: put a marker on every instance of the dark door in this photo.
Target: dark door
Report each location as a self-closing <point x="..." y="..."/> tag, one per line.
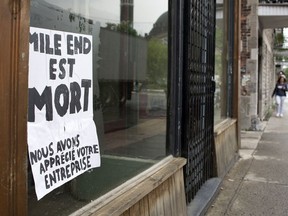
<point x="198" y="93"/>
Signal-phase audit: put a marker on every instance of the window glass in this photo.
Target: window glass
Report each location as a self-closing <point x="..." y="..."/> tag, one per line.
<point x="220" y="105"/>
<point x="130" y="64"/>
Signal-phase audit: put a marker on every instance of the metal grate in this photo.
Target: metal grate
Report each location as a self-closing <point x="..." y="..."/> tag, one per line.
<point x="198" y="93"/>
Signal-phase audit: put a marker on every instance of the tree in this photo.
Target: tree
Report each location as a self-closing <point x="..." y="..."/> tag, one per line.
<point x="279" y="40"/>
<point x="157" y="64"/>
<point x="124" y="27"/>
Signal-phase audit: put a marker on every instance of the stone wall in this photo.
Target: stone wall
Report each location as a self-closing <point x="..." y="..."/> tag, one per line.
<point x="266" y="73"/>
<point x="257" y="67"/>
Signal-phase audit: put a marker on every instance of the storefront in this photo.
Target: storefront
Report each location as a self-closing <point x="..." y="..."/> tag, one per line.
<point x="115" y="100"/>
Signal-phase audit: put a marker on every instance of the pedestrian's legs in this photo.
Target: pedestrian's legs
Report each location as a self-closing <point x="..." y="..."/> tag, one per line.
<point x="278" y="104"/>
<point x="281" y="105"/>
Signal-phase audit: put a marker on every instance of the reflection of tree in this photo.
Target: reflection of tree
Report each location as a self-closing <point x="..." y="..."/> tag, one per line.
<point x="124" y="27"/>
<point x="279" y="40"/>
<point x="219" y="51"/>
<point x="157" y="64"/>
<point x="219" y="62"/>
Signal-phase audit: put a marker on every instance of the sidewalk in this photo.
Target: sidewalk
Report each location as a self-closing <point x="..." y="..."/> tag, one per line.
<point x="258" y="183"/>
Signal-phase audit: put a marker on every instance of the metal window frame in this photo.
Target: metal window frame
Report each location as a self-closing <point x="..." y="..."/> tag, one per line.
<point x="175" y="77"/>
<point x="230" y="75"/>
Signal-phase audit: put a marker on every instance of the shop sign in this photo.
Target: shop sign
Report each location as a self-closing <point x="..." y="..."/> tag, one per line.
<point x="62" y="138"/>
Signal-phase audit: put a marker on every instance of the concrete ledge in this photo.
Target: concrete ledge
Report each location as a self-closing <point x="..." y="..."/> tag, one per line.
<point x="204" y="197"/>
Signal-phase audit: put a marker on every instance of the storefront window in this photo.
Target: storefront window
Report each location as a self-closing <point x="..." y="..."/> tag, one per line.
<point x="220" y="105"/>
<point x="130" y="65"/>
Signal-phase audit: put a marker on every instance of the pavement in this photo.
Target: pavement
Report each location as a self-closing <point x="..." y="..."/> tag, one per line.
<point x="257" y="185"/>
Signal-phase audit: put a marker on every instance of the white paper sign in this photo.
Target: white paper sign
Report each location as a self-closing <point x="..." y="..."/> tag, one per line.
<point x="62" y="138"/>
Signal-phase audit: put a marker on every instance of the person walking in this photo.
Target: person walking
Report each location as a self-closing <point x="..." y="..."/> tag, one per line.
<point x="280" y="94"/>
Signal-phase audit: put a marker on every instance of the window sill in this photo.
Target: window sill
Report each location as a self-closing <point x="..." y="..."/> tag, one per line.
<point x="126" y="195"/>
<point x="222" y="126"/>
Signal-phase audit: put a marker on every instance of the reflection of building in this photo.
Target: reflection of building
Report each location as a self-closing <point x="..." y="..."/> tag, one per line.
<point x="117" y="74"/>
<point x="126" y="11"/>
<point x="160" y="28"/>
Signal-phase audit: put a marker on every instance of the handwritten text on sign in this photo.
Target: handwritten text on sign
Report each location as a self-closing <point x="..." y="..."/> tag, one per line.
<point x="62" y="138"/>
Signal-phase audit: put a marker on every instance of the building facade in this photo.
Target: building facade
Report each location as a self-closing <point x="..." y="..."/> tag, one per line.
<point x="155" y="81"/>
<point x="259" y="21"/>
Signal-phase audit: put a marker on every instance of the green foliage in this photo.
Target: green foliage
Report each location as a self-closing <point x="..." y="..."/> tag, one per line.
<point x="124" y="27"/>
<point x="280" y="58"/>
<point x="219" y="51"/>
<point x="279" y="40"/>
<point x="157" y="64"/>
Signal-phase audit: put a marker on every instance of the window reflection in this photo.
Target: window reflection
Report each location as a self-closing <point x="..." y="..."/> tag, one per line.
<point x="130" y="64"/>
<point x="220" y="100"/>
